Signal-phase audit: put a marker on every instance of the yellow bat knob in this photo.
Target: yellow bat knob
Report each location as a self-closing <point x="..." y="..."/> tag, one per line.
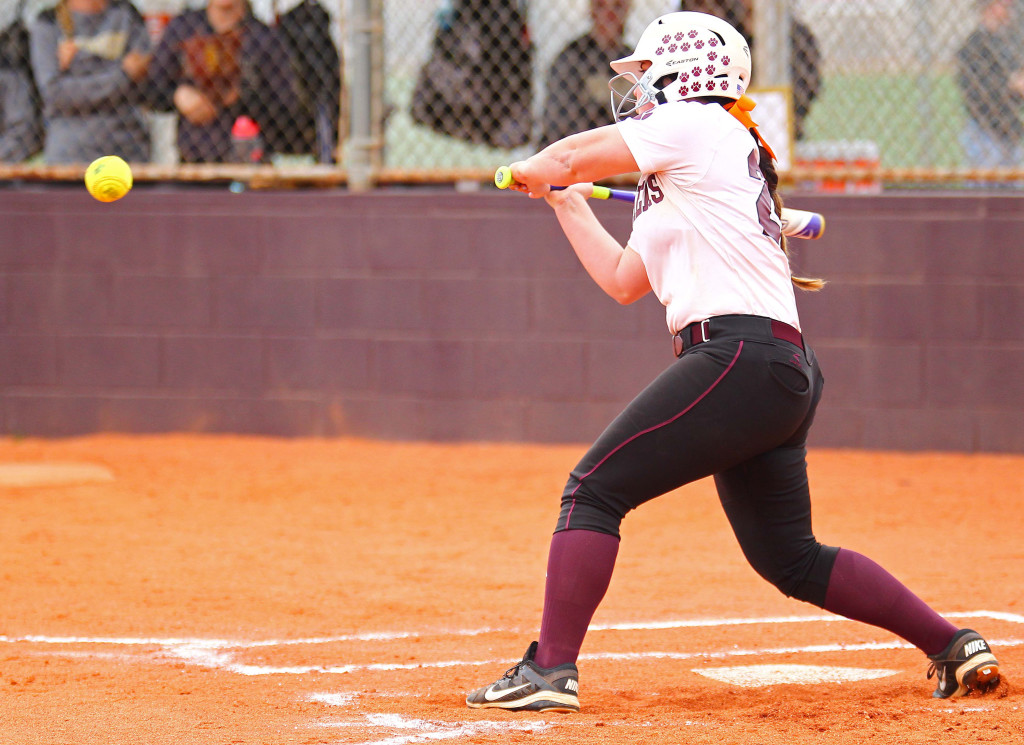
<point x="503" y="177"/>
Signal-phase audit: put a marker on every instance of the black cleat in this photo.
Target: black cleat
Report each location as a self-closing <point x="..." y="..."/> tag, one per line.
<point x="526" y="687"/>
<point x="966" y="666"/>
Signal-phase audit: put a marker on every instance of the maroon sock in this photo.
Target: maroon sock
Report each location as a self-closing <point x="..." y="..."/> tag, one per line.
<point x="860" y="589"/>
<point x="580" y="564"/>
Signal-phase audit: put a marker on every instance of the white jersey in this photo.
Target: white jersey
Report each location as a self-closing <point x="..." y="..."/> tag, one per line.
<point x="703" y="222"/>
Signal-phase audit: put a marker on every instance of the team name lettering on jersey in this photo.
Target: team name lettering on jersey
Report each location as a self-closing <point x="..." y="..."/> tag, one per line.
<point x="648" y="193"/>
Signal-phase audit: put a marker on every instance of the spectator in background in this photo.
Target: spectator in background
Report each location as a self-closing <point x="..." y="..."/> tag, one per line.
<point x="577" y="82"/>
<point x="306" y="29"/>
<point x="21" y="127"/>
<point x="805" y="57"/>
<point x="477" y="82"/>
<point x="88" y="57"/>
<point x="992" y="83"/>
<point x="19" y="130"/>
<point x="214" y="65"/>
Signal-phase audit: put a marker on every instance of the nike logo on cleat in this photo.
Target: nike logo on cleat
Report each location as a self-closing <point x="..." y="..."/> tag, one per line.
<point x="493" y="695"/>
<point x="572" y="685"/>
<point x="973" y="647"/>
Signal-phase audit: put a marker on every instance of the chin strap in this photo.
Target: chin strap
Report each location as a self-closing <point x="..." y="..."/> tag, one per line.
<point x="741" y="110"/>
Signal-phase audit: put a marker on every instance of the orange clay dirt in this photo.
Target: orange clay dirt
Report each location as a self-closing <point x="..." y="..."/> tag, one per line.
<point x="221" y="589"/>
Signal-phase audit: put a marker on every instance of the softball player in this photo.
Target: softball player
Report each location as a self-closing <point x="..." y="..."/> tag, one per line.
<point x="739" y="400"/>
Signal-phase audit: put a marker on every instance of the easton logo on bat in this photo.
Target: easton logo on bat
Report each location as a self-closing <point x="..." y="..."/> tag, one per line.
<point x="648" y="193"/>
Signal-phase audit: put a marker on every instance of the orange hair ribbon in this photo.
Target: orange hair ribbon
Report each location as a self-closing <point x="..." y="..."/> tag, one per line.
<point x="741" y="110"/>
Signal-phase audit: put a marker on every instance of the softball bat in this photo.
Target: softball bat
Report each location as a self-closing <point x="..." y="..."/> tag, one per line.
<point x="795" y="223"/>
<point x="802" y="224"/>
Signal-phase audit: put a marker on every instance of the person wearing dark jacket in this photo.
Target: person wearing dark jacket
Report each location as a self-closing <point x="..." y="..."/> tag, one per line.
<point x="21" y="126"/>
<point x="992" y="84"/>
<point x="19" y="131"/>
<point x="214" y="65"/>
<point x="570" y="107"/>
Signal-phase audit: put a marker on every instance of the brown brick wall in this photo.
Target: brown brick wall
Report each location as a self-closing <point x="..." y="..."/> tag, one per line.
<point x="431" y="314"/>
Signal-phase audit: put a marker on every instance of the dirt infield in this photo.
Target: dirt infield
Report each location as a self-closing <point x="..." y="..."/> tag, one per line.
<point x="270" y="591"/>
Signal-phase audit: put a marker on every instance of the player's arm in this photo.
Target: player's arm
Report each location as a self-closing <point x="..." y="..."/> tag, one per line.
<point x="619" y="271"/>
<point x="588" y="156"/>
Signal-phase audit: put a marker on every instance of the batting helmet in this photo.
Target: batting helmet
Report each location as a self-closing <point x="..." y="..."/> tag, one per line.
<point x="691" y="55"/>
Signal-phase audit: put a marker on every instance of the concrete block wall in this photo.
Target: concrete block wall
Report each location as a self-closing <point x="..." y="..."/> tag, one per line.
<point x="427" y="314"/>
<point x="920" y="330"/>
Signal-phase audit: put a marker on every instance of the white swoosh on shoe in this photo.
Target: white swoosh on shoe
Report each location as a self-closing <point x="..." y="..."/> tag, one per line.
<point x="492" y="695"/>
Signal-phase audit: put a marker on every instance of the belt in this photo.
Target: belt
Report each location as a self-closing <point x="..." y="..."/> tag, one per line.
<point x="738" y="326"/>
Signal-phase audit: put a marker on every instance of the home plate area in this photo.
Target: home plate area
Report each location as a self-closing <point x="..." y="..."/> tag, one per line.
<point x="758" y="676"/>
<point x="832" y="651"/>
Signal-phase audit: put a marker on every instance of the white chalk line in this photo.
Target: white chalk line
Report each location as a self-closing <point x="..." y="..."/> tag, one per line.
<point x="423" y="730"/>
<point x="220" y="660"/>
<point x="395" y="635"/>
<point x="220" y="653"/>
<point x="235" y="643"/>
<point x="440" y="730"/>
<point x="429" y="730"/>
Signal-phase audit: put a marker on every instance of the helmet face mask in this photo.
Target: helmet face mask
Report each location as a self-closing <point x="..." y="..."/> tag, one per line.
<point x="627" y="95"/>
<point x="687" y="55"/>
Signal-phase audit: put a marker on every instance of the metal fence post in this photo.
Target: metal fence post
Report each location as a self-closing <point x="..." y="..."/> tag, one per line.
<point x="366" y="29"/>
<point x="926" y="33"/>
<point x="771" y="44"/>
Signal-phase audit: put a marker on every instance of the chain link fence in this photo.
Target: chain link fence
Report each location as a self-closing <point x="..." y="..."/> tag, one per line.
<point x="853" y="95"/>
<point x="172" y="84"/>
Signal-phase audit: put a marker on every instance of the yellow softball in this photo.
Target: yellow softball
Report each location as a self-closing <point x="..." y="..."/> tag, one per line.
<point x="108" y="178"/>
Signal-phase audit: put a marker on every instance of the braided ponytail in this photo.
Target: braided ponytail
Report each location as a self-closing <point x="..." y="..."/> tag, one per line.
<point x="771" y="177"/>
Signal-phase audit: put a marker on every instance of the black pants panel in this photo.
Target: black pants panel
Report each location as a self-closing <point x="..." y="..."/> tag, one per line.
<point x="738" y="409"/>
